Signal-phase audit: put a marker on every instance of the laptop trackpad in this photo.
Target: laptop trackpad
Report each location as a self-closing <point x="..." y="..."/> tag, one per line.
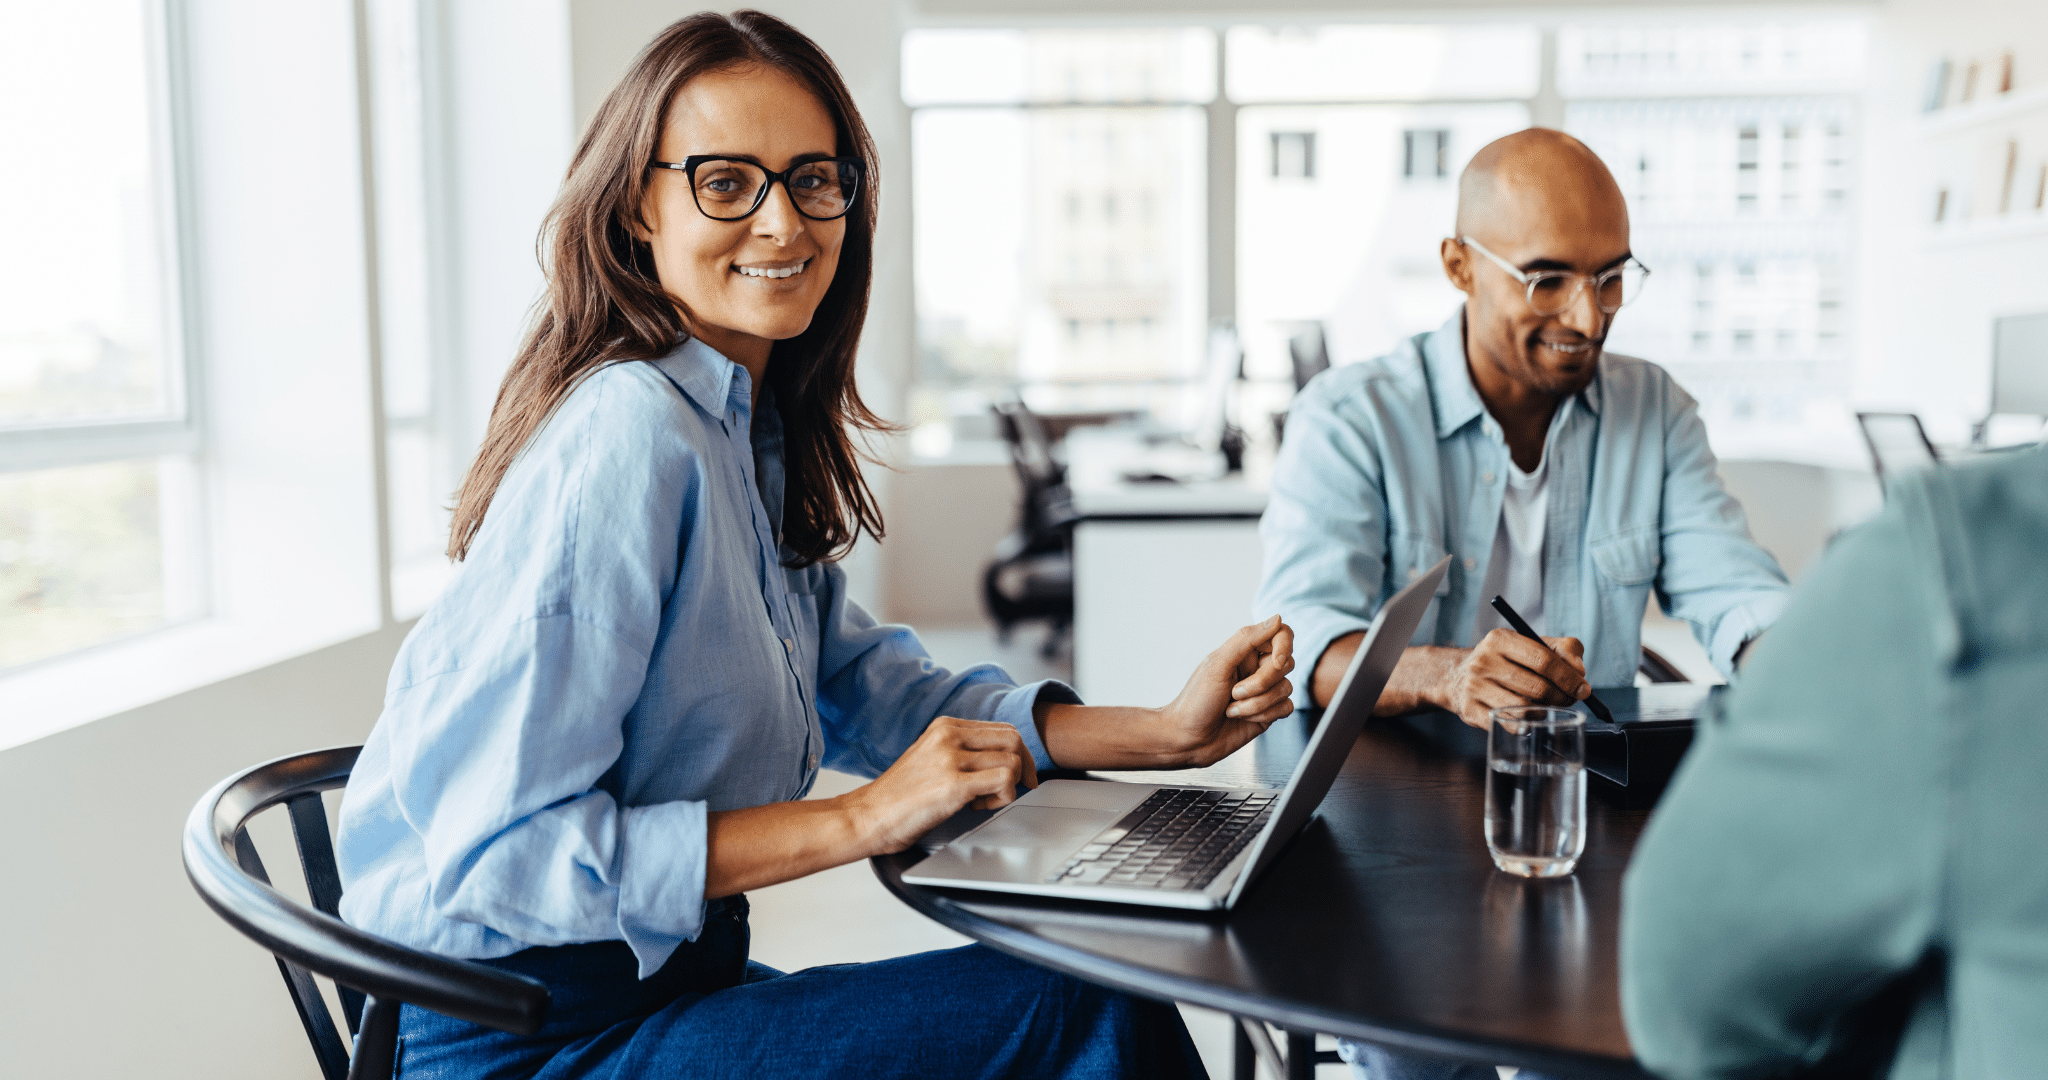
<point x="1040" y="827"/>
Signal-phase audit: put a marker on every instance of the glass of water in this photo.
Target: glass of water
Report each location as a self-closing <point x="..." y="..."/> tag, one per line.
<point x="1536" y="790"/>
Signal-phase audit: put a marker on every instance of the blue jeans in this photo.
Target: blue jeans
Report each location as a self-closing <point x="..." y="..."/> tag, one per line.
<point x="709" y="1012"/>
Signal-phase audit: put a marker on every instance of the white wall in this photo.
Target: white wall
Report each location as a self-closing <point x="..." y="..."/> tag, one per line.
<point x="1925" y="325"/>
<point x="110" y="966"/>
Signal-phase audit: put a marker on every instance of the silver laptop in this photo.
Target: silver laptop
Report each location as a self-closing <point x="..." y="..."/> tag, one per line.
<point x="1182" y="847"/>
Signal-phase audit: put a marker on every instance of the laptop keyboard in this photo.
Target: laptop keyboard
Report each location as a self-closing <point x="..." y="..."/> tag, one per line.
<point x="1178" y="838"/>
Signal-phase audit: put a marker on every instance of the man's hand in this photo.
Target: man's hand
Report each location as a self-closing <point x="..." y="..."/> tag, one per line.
<point x="1506" y="669"/>
<point x="1234" y="693"/>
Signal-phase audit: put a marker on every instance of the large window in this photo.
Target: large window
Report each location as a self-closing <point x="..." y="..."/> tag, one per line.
<point x="1059" y="186"/>
<point x="1066" y="185"/>
<point x="98" y="506"/>
<point x="1735" y="147"/>
<point x="1394" y="113"/>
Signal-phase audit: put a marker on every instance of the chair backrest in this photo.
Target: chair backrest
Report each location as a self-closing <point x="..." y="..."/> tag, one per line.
<point x="1309" y="351"/>
<point x="372" y="975"/>
<point x="1040" y="474"/>
<point x="1898" y="444"/>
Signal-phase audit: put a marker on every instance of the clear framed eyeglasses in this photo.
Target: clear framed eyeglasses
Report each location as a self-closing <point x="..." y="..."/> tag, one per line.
<point x="1552" y="291"/>
<point x="730" y="189"/>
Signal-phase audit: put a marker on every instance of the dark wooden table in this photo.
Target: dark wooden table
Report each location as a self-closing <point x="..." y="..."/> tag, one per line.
<point x="1385" y="920"/>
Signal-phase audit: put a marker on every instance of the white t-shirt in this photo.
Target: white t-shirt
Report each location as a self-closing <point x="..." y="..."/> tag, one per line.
<point x="1516" y="568"/>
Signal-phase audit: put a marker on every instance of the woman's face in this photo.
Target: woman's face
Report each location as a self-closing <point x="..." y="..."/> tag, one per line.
<point x="717" y="270"/>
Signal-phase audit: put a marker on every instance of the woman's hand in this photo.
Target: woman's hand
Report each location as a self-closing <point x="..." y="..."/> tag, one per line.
<point x="954" y="764"/>
<point x="1234" y="693"/>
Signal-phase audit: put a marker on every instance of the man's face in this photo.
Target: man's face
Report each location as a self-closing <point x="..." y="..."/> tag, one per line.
<point x="1538" y="228"/>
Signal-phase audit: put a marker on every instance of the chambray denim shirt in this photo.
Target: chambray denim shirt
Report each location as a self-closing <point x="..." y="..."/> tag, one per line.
<point x="1391" y="464"/>
<point x="622" y="653"/>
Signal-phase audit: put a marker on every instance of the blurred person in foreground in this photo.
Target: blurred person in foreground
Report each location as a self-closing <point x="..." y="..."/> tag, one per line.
<point x="1575" y="482"/>
<point x="601" y="734"/>
<point x="1852" y="864"/>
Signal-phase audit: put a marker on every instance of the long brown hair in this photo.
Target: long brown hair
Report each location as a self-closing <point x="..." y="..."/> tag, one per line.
<point x="604" y="304"/>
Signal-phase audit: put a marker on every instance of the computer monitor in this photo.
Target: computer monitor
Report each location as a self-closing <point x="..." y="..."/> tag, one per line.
<point x="2019" y="365"/>
<point x="1210" y="419"/>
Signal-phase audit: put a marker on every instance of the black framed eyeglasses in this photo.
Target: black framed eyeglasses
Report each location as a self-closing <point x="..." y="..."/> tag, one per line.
<point x="729" y="189"/>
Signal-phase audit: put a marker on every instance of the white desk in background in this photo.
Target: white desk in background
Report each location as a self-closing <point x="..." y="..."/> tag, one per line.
<point x="1163" y="570"/>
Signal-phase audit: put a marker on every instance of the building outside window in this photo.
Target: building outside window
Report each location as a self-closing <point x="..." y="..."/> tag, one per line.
<point x="98" y="493"/>
<point x="1733" y="144"/>
<point x="1058" y="182"/>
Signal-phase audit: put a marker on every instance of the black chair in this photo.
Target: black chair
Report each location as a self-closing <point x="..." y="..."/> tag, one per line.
<point x="1032" y="574"/>
<point x="223" y="866"/>
<point x="1655" y="668"/>
<point x="1898" y="445"/>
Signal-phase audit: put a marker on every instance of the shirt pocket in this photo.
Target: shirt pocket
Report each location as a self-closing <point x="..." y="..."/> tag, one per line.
<point x="1414" y="556"/>
<point x="1629" y="557"/>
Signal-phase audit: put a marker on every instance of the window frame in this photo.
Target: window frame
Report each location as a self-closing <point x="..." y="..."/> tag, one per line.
<point x="1548" y="104"/>
<point x="175" y="432"/>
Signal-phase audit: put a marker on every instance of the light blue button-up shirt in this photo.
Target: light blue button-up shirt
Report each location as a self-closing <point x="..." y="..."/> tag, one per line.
<point x="1390" y="465"/>
<point x="622" y="653"/>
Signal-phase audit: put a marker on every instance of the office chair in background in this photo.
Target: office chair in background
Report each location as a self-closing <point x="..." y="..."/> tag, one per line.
<point x="1310" y="352"/>
<point x="1032" y="574"/>
<point x="223" y="866"/>
<point x="1898" y="445"/>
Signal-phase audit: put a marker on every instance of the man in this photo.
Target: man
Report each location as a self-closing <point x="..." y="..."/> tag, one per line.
<point x="1570" y="481"/>
<point x="1853" y="849"/>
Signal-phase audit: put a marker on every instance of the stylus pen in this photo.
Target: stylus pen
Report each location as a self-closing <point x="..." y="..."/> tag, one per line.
<point x="1593" y="701"/>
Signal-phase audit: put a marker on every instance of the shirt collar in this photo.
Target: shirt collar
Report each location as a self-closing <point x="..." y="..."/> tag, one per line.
<point x="1450" y="379"/>
<point x="1450" y="382"/>
<point x="703" y="374"/>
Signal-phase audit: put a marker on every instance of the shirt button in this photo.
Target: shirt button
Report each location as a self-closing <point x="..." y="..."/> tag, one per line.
<point x="1486" y="478"/>
<point x="814" y="762"/>
<point x="1471" y="563"/>
<point x="1414" y="572"/>
<point x="788" y="644"/>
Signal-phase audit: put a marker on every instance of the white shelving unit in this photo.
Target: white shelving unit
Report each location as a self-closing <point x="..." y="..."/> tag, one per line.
<point x="1948" y="133"/>
<point x="2011" y="105"/>
<point x="2014" y="226"/>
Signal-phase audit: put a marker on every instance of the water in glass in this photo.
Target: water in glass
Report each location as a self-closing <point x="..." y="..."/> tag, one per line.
<point x="1536" y="791"/>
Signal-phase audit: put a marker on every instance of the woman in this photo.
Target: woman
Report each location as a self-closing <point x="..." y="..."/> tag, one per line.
<point x="594" y="742"/>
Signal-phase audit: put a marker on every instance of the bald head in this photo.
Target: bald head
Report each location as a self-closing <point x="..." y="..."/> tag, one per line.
<point x="1537" y="175"/>
<point x="1535" y="202"/>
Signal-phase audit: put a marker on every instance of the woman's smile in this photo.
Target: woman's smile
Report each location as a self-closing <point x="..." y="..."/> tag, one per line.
<point x="772" y="270"/>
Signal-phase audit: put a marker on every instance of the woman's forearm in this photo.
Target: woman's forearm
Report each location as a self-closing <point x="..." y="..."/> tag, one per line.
<point x="767" y="845"/>
<point x="1106" y="737"/>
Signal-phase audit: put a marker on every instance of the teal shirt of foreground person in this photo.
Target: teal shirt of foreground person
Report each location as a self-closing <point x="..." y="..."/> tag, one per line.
<point x="1873" y="801"/>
